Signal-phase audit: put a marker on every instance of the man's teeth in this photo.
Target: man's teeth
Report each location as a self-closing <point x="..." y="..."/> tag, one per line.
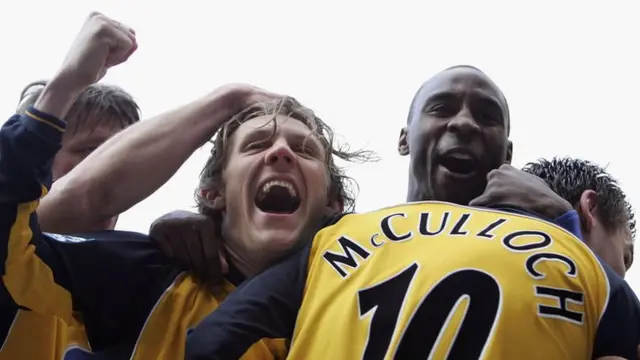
<point x="460" y="156"/>
<point x="285" y="184"/>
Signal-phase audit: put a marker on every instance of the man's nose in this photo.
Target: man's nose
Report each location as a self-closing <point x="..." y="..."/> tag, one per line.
<point x="464" y="123"/>
<point x="280" y="156"/>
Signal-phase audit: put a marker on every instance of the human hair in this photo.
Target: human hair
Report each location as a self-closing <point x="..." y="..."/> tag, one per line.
<point x="569" y="178"/>
<point x="98" y="101"/>
<point x="341" y="187"/>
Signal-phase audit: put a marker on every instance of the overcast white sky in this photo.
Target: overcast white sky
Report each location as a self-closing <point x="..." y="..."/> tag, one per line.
<point x="569" y="71"/>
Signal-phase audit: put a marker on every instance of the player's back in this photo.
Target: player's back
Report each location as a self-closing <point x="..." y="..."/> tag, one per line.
<point x="436" y="280"/>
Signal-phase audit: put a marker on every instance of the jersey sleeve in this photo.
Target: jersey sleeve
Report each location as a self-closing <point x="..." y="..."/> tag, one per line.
<point x="618" y="332"/>
<point x="264" y="307"/>
<point x="28" y="145"/>
<point x="110" y="279"/>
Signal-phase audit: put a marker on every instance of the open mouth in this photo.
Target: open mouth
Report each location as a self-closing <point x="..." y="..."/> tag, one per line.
<point x="278" y="197"/>
<point x="459" y="162"/>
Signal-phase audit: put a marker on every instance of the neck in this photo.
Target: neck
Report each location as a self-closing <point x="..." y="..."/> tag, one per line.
<point x="247" y="262"/>
<point x="414" y="193"/>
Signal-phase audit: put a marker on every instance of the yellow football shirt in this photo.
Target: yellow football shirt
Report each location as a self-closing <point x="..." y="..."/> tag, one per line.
<point x="432" y="280"/>
<point x="103" y="295"/>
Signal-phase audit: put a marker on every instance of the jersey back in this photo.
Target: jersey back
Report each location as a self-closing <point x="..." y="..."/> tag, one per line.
<point x="436" y="280"/>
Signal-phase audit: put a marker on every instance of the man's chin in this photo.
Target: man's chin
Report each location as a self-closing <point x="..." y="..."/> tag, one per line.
<point x="279" y="241"/>
<point x="284" y="232"/>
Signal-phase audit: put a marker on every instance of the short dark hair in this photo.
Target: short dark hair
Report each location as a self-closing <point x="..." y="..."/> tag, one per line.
<point x="106" y="102"/>
<point x="341" y="186"/>
<point x="570" y="177"/>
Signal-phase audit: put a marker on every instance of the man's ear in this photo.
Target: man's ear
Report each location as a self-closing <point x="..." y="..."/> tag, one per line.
<point x="403" y="143"/>
<point x="509" y="152"/>
<point x="214" y="199"/>
<point x="588" y="210"/>
<point x="334" y="207"/>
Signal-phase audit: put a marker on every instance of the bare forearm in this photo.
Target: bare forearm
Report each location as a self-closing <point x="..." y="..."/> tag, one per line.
<point x="57" y="97"/>
<point x="130" y="166"/>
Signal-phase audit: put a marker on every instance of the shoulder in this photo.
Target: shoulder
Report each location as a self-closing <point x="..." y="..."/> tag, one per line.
<point x="618" y="332"/>
<point x="322" y="238"/>
<point x="112" y="252"/>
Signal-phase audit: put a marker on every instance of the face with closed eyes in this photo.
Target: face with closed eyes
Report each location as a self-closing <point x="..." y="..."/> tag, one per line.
<point x="456" y="135"/>
<point x="276" y="184"/>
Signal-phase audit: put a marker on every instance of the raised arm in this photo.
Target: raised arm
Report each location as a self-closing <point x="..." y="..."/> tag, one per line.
<point x="32" y="271"/>
<point x="60" y="275"/>
<point x="109" y="181"/>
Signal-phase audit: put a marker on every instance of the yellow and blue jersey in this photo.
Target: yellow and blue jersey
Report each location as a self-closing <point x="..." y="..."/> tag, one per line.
<point x="433" y="280"/>
<point x="29" y="335"/>
<point x="104" y="295"/>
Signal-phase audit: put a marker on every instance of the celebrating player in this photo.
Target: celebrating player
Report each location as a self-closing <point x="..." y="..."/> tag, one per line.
<point x="120" y="282"/>
<point x="437" y="279"/>
<point x="131" y="300"/>
<point x="98" y="113"/>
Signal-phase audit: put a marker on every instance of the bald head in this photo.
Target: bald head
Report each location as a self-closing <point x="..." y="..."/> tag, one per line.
<point x="456" y="133"/>
<point x="453" y="71"/>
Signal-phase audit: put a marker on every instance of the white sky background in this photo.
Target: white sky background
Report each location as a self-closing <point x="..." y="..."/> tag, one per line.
<point x="569" y="71"/>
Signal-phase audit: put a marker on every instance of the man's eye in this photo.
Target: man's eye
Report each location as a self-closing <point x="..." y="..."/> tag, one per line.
<point x="256" y="145"/>
<point x="437" y="107"/>
<point x="442" y="110"/>
<point x="303" y="150"/>
<point x="488" y="117"/>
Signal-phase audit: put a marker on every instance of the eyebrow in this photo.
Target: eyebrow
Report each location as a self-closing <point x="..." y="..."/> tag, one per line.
<point x="439" y="96"/>
<point x="476" y="94"/>
<point x="261" y="133"/>
<point x="487" y="99"/>
<point x="264" y="133"/>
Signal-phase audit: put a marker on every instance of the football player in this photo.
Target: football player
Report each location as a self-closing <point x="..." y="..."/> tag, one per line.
<point x="436" y="279"/>
<point x="99" y="112"/>
<point x="132" y="301"/>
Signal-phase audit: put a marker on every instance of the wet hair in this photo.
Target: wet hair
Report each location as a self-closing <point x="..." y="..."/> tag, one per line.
<point x="341" y="187"/>
<point x="107" y="103"/>
<point x="570" y="177"/>
<point x="414" y="101"/>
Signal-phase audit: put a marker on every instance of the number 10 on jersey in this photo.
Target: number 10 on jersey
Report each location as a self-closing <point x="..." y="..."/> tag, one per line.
<point x="431" y="316"/>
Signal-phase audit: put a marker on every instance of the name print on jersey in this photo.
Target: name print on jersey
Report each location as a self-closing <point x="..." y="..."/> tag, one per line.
<point x="524" y="244"/>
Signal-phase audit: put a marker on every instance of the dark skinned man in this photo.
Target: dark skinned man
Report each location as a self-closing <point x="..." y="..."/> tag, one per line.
<point x="437" y="279"/>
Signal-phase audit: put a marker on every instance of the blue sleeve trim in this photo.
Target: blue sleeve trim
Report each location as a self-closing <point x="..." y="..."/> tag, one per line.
<point x="570" y="221"/>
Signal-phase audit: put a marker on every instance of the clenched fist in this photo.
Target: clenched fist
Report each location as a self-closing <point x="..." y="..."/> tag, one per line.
<point x="512" y="187"/>
<point x="101" y="44"/>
